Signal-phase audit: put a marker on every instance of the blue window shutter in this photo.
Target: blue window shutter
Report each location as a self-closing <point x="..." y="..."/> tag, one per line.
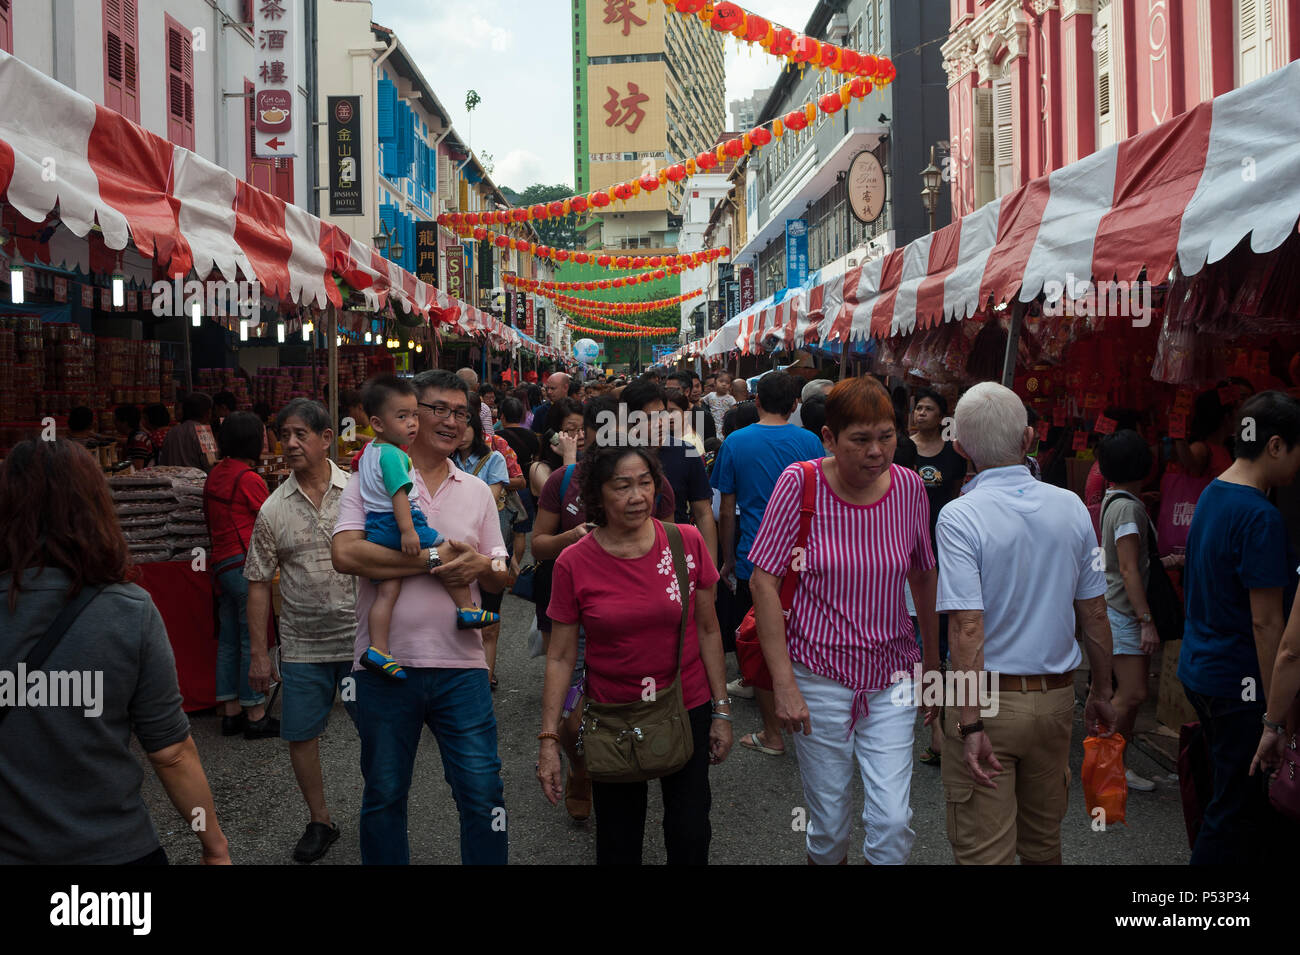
<point x="388" y="213"/>
<point x="409" y="242"/>
<point x="386" y="111"/>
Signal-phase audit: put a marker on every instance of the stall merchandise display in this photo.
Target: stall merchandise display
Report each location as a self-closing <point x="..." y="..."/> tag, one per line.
<point x="161" y="512"/>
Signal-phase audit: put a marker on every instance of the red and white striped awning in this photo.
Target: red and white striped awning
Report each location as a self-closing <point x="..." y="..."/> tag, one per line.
<point x="1186" y="193"/>
<point x="61" y="154"/>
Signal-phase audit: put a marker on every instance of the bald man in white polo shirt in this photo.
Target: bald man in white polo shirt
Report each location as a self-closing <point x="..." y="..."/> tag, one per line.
<point x="1018" y="560"/>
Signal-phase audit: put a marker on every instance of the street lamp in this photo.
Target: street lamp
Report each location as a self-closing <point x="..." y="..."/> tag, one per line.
<point x="382" y="238"/>
<point x="930" y="178"/>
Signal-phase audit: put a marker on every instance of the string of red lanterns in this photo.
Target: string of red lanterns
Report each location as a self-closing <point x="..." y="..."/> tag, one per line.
<point x="605" y="260"/>
<point x="642" y="332"/>
<point x="623" y="308"/>
<point x="615" y="323"/>
<point x="779" y="41"/>
<point x="534" y="285"/>
<point x="758" y="137"/>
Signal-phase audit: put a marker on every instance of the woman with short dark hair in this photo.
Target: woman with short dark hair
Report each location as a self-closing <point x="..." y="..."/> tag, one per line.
<point x="838" y="661"/>
<point x="1125" y="461"/>
<point x="137" y="448"/>
<point x="626" y="560"/>
<point x="69" y="782"/>
<point x="232" y="496"/>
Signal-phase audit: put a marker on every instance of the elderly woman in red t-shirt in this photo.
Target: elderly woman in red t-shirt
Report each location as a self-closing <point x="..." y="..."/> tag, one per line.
<point x="838" y="663"/>
<point x="619" y="584"/>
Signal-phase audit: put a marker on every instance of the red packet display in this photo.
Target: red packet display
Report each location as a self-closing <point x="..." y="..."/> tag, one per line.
<point x="1104" y="425"/>
<point x="1183" y="402"/>
<point x="1080" y="442"/>
<point x="1042" y="428"/>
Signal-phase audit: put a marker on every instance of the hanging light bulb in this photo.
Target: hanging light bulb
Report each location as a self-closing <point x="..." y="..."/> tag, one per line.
<point x="338" y="340"/>
<point x="279" y="331"/>
<point x="367" y="338"/>
<point x="419" y="347"/>
<point x="16" y="280"/>
<point x="119" y="291"/>
<point x="243" y="330"/>
<point x="306" y="331"/>
<point x="410" y="344"/>
<point x="196" y="314"/>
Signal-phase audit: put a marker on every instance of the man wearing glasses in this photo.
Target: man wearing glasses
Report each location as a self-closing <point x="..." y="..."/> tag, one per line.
<point x="447" y="684"/>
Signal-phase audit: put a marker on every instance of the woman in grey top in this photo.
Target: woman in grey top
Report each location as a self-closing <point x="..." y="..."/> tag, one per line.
<point x="69" y="783"/>
<point x="1124" y="460"/>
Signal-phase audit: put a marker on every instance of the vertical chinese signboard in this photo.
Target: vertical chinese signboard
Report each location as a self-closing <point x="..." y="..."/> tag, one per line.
<point x="796" y="252"/>
<point x="345" y="157"/>
<point x="275" y="34"/>
<point x="531" y="328"/>
<point x="521" y="310"/>
<point x="456" y="271"/>
<point x="426" y="252"/>
<point x="746" y="277"/>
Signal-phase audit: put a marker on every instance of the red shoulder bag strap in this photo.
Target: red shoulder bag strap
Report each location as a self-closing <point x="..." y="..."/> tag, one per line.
<point x="790" y="583"/>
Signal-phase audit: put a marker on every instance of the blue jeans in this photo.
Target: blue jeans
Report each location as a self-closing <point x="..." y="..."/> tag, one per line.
<point x="457" y="706"/>
<point x="233" y="654"/>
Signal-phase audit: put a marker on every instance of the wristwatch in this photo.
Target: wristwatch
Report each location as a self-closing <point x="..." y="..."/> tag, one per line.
<point x="1147" y="618"/>
<point x="433" y="559"/>
<point x="965" y="729"/>
<point x="1275" y="727"/>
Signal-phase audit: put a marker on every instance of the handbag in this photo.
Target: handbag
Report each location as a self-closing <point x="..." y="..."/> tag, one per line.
<point x="1162" y="598"/>
<point x="753" y="668"/>
<point x="524" y="587"/>
<point x="1179" y="494"/>
<point x="1284" y="791"/>
<point x="632" y="742"/>
<point x="36" y="658"/>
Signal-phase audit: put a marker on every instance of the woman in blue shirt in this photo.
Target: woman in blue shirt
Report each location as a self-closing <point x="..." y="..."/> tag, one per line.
<point x="476" y="458"/>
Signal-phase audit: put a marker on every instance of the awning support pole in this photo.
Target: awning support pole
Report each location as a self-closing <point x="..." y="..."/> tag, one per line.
<point x="332" y="344"/>
<point x="1013" y="343"/>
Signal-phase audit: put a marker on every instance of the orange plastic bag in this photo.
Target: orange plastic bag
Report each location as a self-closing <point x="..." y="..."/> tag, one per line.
<point x="1104" y="784"/>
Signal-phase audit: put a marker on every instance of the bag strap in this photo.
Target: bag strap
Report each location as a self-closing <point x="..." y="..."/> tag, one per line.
<point x="564" y="482"/>
<point x="806" y="509"/>
<point x="674" y="534"/>
<point x="1152" y="552"/>
<point x="36" y="658"/>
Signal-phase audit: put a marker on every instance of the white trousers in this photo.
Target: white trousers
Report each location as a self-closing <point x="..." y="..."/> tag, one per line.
<point x="882" y="741"/>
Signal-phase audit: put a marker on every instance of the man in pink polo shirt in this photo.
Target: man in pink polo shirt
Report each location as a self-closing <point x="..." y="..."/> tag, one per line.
<point x="447" y="684"/>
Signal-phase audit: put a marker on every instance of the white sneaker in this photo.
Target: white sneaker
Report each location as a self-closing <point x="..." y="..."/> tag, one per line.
<point x="1137" y="782"/>
<point x="737" y="689"/>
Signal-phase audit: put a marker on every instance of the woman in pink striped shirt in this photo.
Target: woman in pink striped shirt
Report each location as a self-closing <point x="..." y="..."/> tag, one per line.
<point x="838" y="660"/>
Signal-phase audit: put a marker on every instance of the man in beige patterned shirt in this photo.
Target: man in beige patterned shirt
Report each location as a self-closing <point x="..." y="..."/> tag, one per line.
<point x="318" y="621"/>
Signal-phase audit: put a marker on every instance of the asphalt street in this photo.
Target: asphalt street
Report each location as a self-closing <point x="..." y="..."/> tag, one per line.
<point x="756" y="798"/>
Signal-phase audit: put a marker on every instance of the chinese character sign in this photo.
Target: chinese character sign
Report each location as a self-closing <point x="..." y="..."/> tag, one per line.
<point x="344" y="146"/>
<point x="796" y="252"/>
<point x="530" y="327"/>
<point x="746" y="288"/>
<point x="623" y="11"/>
<point x="626" y="111"/>
<point x="426" y="252"/>
<point x="275" y="27"/>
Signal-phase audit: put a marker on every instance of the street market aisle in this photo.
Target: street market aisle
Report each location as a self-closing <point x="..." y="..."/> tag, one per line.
<point x="755" y="797"/>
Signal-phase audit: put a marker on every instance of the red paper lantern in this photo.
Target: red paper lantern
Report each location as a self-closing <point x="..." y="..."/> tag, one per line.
<point x="623" y="191"/>
<point x="617" y="283"/>
<point x="850" y="61"/>
<point x="868" y="65"/>
<point x="561" y="255"/>
<point x="782" y="42"/>
<point x="471" y="218"/>
<point x="544" y="251"/>
<point x="726" y="17"/>
<point x="444" y="219"/>
<point x="654" y="260"/>
<point x="502" y="241"/>
<point x="805" y="49"/>
<point x="755" y="28"/>
<point x="600" y="200"/>
<point x="578" y="204"/>
<point x="649" y="182"/>
<point x="760" y="136"/>
<point x="622" y="261"/>
<point x="660" y="273"/>
<point x="582" y="258"/>
<point x="677" y="172"/>
<point x="603" y="261"/>
<point x="556" y="208"/>
<point x="480" y="233"/>
<point x="724" y="251"/>
<point x="830" y="103"/>
<point x="735" y="148"/>
<point x="591" y="286"/>
<point x="706" y="160"/>
<point x="796" y="120"/>
<point x="827" y="55"/>
<point x="860" y="87"/>
<point x="690" y="6"/>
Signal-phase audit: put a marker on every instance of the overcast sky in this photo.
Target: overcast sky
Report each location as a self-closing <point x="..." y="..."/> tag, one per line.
<point x="518" y="54"/>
